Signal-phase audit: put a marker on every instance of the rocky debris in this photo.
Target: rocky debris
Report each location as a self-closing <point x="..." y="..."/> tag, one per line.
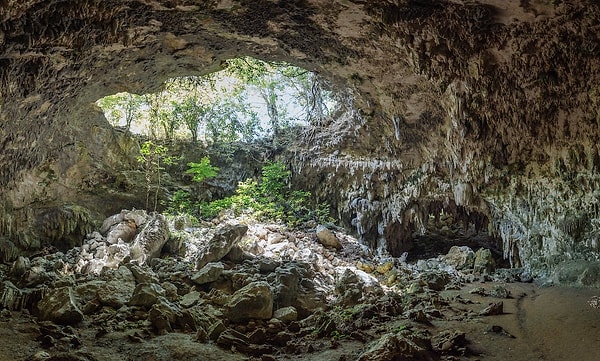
<point x="59" y="306"/>
<point x="327" y="238"/>
<point x="496" y="308"/>
<point x="303" y="298"/>
<point x="253" y="301"/>
<point x="221" y="244"/>
<point x="128" y="236"/>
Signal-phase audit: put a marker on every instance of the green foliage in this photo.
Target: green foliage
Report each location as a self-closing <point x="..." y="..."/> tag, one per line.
<point x="274" y="179"/>
<point x="202" y="170"/>
<point x="271" y="199"/>
<point x="181" y="203"/>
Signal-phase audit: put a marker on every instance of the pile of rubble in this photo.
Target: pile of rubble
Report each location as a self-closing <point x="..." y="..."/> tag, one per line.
<point x="256" y="289"/>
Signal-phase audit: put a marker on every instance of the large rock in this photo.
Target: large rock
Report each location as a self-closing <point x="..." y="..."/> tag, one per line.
<point x="11" y="297"/>
<point x="124" y="230"/>
<point x="58" y="305"/>
<point x="164" y="316"/>
<point x="286" y="314"/>
<point x="461" y="257"/>
<point x="253" y="301"/>
<point x="484" y="261"/>
<point x="393" y="347"/>
<point x="142" y="274"/>
<point x="146" y="294"/>
<point x="353" y="284"/>
<point x="118" y="290"/>
<point x="150" y="240"/>
<point x="327" y="238"/>
<point x="209" y="273"/>
<point x="8" y="251"/>
<point x="222" y="242"/>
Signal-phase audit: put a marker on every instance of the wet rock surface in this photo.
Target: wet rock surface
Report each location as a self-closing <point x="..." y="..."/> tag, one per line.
<point x="303" y="301"/>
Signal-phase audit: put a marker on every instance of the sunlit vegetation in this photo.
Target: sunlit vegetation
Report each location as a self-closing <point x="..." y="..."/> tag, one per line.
<point x="269" y="198"/>
<point x="249" y="99"/>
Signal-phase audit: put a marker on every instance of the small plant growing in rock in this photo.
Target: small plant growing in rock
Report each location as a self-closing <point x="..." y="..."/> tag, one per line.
<point x="202" y="171"/>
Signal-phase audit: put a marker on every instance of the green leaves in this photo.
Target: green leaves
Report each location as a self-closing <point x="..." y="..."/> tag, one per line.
<point x="274" y="179"/>
<point x="202" y="170"/>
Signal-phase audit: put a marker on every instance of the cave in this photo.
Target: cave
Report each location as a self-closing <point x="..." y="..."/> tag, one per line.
<point x="467" y="124"/>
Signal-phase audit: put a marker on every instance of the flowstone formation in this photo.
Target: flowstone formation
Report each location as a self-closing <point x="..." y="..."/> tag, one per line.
<point x="485" y="111"/>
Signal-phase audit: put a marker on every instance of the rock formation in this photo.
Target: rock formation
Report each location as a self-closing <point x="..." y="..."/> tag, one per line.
<point x="484" y="110"/>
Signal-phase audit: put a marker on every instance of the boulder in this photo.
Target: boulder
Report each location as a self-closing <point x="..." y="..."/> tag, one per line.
<point x="124" y="230"/>
<point x="142" y="274"/>
<point x="20" y="266"/>
<point x="222" y="242"/>
<point x="327" y="238"/>
<point x="8" y="251"/>
<point x="58" y="305"/>
<point x="493" y="309"/>
<point x="393" y="347"/>
<point x="435" y="280"/>
<point x="460" y="258"/>
<point x="484" y="262"/>
<point x="449" y="341"/>
<point x="499" y="292"/>
<point x="150" y="240"/>
<point x="238" y="255"/>
<point x="209" y="273"/>
<point x="190" y="299"/>
<point x="117" y="292"/>
<point x="254" y="301"/>
<point x="11" y="297"/>
<point x="286" y="314"/>
<point x="146" y="294"/>
<point x="163" y="316"/>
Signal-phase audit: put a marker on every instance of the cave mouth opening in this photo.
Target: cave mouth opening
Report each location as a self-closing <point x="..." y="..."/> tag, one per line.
<point x="248" y="100"/>
<point x="431" y="227"/>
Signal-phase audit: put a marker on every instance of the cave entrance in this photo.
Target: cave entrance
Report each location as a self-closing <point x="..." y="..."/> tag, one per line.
<point x="204" y="139"/>
<point x="248" y="100"/>
<point x="430" y="228"/>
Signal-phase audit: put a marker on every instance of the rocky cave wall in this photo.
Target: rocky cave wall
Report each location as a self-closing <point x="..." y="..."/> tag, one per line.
<point x="489" y="107"/>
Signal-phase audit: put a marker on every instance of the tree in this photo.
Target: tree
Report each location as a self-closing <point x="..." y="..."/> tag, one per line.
<point x="227" y="106"/>
<point x="152" y="158"/>
<point x="191" y="113"/>
<point x="121" y="107"/>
